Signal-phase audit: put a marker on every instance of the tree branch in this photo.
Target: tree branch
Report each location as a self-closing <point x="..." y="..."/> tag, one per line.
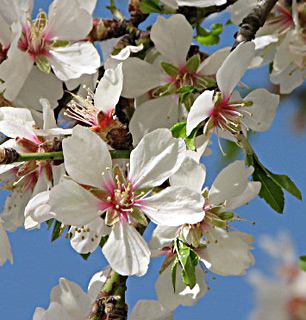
<point x="253" y="21"/>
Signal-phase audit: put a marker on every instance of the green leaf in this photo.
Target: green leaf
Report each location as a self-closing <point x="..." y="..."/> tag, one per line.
<point x="170" y="69"/>
<point x="286" y="183"/>
<point x="43" y="63"/>
<point x="184" y="89"/>
<point x="302" y="263"/>
<point x="56" y="233"/>
<point x="270" y="191"/>
<point x="49" y="223"/>
<point x="208" y="38"/>
<point x="103" y="241"/>
<point x="60" y="43"/>
<point x="193" y="64"/>
<point x="150" y="6"/>
<point x="85" y="256"/>
<point x="173" y="273"/>
<point x="179" y="131"/>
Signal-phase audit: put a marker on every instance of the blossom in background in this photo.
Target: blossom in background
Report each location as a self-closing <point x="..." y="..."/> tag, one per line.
<point x="27" y="179"/>
<point x="226" y="113"/>
<point x="98" y="189"/>
<point x="282" y="296"/>
<point x="5" y="247"/>
<point x="45" y="42"/>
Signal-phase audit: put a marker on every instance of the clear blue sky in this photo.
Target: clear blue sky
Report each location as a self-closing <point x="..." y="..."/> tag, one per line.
<point x="38" y="264"/>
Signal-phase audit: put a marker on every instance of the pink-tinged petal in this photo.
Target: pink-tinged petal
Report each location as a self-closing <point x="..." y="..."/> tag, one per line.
<point x="73" y="299"/>
<point x="174" y="206"/>
<point x="68" y="21"/>
<point x="183" y="295"/>
<point x="73" y="205"/>
<point x="87" y="238"/>
<point x="126" y="250"/>
<point x="172" y="38"/>
<point x="5" y="247"/>
<point x="40" y="84"/>
<point x="234" y="67"/>
<point x="157" y="156"/>
<point x="200" y="110"/>
<point x="263" y="109"/>
<point x="75" y="60"/>
<point x="17" y="10"/>
<point x="137" y="83"/>
<point x="228" y="253"/>
<point x="87" y="157"/>
<point x="109" y="89"/>
<point x="211" y="65"/>
<point x="15" y="69"/>
<point x="191" y="174"/>
<point x="230" y="182"/>
<point x="150" y="310"/>
<point x="163" y="112"/>
<point x="250" y="192"/>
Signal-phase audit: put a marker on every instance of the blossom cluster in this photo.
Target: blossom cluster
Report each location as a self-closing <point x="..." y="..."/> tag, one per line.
<point x="105" y="149"/>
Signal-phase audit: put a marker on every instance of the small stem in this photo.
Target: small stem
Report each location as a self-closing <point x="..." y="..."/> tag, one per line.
<point x="10" y="155"/>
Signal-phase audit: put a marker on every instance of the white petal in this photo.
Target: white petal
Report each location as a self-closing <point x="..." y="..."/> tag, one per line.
<point x="162" y="236"/>
<point x="73" y="205"/>
<point x="74" y="300"/>
<point x="283" y="56"/>
<point x="157" y="156"/>
<point x="200" y="110"/>
<point x="191" y="174"/>
<point x="48" y="115"/>
<point x="109" y="89"/>
<point x="40" y="85"/>
<point x="211" y="65"/>
<point x="234" y="67"/>
<point x="163" y="114"/>
<point x="228" y="252"/>
<point x="183" y="295"/>
<point x="126" y="250"/>
<point x="96" y="283"/>
<point x="55" y="311"/>
<point x="75" y="60"/>
<point x="150" y="310"/>
<point x="88" y="5"/>
<point x="5" y="247"/>
<point x="137" y="83"/>
<point x="200" y="3"/>
<point x="263" y="109"/>
<point x="5" y="33"/>
<point x="15" y="69"/>
<point x="230" y="182"/>
<point x="126" y="52"/>
<point x="174" y="206"/>
<point x="17" y="10"/>
<point x="250" y="192"/>
<point x="86" y="157"/>
<point x="87" y="239"/>
<point x="172" y="38"/>
<point x="68" y="20"/>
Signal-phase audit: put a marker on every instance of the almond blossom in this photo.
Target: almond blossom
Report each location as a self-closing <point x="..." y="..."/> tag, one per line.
<point x="5" y="247"/>
<point x="226" y="113"/>
<point x="45" y="42"/>
<point x="97" y="189"/>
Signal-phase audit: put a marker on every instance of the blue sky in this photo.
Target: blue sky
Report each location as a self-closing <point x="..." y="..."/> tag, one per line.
<point x="38" y="263"/>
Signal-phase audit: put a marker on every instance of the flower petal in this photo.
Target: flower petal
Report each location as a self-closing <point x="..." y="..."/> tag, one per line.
<point x="157" y="156"/>
<point x="126" y="250"/>
<point x="86" y="157"/>
<point x="234" y="67"/>
<point x="174" y="206"/>
<point x="5" y="247"/>
<point x="109" y="89"/>
<point x="150" y="310"/>
<point x="200" y="110"/>
<point x="172" y="38"/>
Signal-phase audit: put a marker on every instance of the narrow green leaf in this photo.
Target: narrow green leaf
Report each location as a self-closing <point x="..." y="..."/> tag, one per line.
<point x="49" y="223"/>
<point x="170" y="69"/>
<point x="173" y="273"/>
<point x="286" y="183"/>
<point x="187" y="88"/>
<point x="270" y="191"/>
<point x="179" y="131"/>
<point x="150" y="6"/>
<point x="56" y="233"/>
<point x="193" y="64"/>
<point x="302" y="263"/>
<point x="103" y="241"/>
<point x="85" y="256"/>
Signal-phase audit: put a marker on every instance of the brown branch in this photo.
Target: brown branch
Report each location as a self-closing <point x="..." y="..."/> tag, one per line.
<point x="253" y="21"/>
